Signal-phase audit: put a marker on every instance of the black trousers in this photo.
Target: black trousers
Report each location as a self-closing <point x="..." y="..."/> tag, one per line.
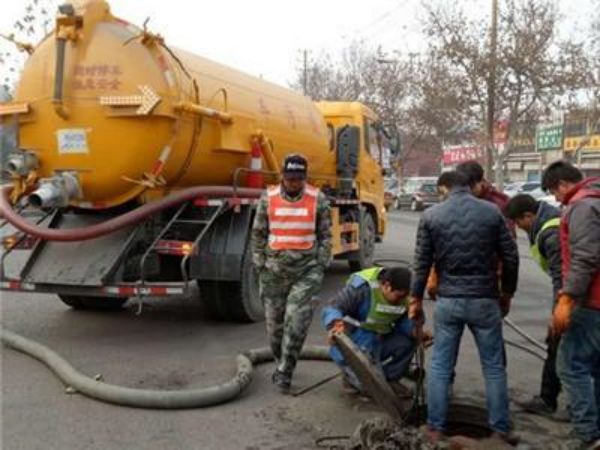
<point x="551" y="386"/>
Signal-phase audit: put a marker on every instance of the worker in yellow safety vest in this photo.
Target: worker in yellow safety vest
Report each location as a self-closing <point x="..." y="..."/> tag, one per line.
<point x="372" y="309"/>
<point x="541" y="222"/>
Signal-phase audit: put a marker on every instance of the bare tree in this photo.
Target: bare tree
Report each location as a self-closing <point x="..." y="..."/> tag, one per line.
<point x="535" y="71"/>
<point x="34" y="23"/>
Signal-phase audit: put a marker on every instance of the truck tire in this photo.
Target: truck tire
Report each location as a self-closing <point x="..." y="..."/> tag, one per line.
<point x="237" y="301"/>
<point x="74" y="301"/>
<point x="363" y="257"/>
<point x="93" y="303"/>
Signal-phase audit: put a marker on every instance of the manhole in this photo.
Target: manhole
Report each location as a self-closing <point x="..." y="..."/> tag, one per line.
<point x="462" y="420"/>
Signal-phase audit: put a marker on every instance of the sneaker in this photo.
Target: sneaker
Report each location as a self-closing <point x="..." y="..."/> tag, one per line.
<point x="510" y="438"/>
<point x="282" y="380"/>
<point x="538" y="406"/>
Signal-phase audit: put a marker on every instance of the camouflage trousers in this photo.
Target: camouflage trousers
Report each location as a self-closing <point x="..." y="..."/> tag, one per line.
<point x="288" y="300"/>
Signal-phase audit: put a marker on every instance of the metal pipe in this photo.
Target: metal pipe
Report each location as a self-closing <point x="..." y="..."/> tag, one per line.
<point x="130" y="218"/>
<point x="59" y="75"/>
<point x="203" y="111"/>
<point x="525" y="349"/>
<point x="522" y="333"/>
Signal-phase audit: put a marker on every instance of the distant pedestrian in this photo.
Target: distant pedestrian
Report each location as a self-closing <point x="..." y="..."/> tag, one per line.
<point x="483" y="189"/>
<point x="541" y="222"/>
<point x="577" y="313"/>
<point x="291" y="247"/>
<point x="465" y="239"/>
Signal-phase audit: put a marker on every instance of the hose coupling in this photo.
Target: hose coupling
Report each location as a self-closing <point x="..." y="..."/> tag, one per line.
<point x="56" y="192"/>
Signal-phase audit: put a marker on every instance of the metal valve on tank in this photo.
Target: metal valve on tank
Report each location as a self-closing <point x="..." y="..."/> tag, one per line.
<point x="21" y="163"/>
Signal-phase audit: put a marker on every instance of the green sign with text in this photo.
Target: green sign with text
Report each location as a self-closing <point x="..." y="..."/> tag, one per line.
<point x="549" y="137"/>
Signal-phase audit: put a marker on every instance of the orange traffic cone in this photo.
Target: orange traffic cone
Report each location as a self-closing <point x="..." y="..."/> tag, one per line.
<point x="255" y="177"/>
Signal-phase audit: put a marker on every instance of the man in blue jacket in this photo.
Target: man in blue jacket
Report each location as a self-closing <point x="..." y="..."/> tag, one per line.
<point x="372" y="309"/>
<point x="466" y="239"/>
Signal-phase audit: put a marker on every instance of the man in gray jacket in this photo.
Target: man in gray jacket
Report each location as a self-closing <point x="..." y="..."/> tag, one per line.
<point x="466" y="239"/>
<point x="577" y="313"/>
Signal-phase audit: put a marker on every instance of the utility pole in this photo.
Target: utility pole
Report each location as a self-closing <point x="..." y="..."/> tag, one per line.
<point x="305" y="77"/>
<point x="491" y="85"/>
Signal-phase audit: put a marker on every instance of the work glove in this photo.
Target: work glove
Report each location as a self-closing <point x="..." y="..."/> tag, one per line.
<point x="561" y="317"/>
<point x="415" y="310"/>
<point x="432" y="284"/>
<point x="505" y="303"/>
<point x="338" y="327"/>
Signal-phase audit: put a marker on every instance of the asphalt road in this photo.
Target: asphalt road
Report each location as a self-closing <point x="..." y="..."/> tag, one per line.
<point x="173" y="345"/>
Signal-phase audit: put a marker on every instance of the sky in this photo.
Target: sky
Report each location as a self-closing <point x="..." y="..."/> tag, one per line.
<point x="266" y="37"/>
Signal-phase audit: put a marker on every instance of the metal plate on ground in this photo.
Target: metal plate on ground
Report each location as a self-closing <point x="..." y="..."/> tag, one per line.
<point x="373" y="381"/>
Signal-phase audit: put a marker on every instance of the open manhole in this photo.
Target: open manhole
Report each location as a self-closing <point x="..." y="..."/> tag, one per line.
<point x="462" y="420"/>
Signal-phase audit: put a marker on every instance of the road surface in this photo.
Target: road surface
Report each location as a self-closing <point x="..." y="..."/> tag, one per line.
<point x="173" y="345"/>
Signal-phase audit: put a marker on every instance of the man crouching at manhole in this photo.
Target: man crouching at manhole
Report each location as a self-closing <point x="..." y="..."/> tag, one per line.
<point x="291" y="247"/>
<point x="372" y="309"/>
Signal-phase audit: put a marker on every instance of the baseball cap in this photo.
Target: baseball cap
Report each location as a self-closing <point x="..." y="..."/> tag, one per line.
<point x="295" y="166"/>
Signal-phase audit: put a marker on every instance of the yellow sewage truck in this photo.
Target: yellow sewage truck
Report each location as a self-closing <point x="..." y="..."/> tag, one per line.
<point x="146" y="162"/>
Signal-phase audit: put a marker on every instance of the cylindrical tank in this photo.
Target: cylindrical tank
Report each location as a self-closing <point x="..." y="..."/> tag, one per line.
<point x="135" y="113"/>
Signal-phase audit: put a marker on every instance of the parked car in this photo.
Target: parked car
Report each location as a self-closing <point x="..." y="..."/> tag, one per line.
<point x="425" y="195"/>
<point x="512" y="189"/>
<point x="521" y="187"/>
<point x="540" y="195"/>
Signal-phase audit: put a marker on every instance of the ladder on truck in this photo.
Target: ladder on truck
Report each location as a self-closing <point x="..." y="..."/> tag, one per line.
<point x="163" y="241"/>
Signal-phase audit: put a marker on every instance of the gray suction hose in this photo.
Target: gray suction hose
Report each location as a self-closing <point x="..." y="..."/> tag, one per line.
<point x="147" y="398"/>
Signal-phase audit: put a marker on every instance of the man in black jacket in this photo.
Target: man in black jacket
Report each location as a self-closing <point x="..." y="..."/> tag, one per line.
<point x="466" y="239"/>
<point x="541" y="222"/>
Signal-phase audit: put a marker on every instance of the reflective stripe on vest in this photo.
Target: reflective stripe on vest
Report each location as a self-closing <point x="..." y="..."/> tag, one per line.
<point x="381" y="315"/>
<point x="292" y="224"/>
<point x="536" y="254"/>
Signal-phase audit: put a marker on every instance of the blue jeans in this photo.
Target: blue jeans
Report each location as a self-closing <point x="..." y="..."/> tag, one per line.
<point x="484" y="319"/>
<point x="578" y="364"/>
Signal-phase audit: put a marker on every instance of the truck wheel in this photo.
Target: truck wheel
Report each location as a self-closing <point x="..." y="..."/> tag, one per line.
<point x="234" y="300"/>
<point x="94" y="303"/>
<point x="363" y="257"/>
<point x="73" y="301"/>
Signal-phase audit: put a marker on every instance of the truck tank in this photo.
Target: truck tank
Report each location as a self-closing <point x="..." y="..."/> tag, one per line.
<point x="121" y="112"/>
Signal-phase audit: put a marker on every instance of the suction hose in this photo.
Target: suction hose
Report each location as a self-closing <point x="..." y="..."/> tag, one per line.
<point x="157" y="399"/>
<point x="147" y="398"/>
<point x="130" y="218"/>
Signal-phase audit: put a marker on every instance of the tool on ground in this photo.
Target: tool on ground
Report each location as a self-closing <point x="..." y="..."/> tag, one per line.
<point x="316" y="385"/>
<point x="523" y="334"/>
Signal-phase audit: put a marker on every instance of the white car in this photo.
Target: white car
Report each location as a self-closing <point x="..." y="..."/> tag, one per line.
<point x="540" y="195"/>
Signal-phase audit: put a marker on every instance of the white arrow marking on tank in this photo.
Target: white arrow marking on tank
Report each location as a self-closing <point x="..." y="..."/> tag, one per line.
<point x="146" y="102"/>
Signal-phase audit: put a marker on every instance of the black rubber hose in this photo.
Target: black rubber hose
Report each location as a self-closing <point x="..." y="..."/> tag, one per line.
<point x="148" y="398"/>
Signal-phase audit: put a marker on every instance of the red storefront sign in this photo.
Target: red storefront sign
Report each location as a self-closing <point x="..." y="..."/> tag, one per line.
<point x="457" y="154"/>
